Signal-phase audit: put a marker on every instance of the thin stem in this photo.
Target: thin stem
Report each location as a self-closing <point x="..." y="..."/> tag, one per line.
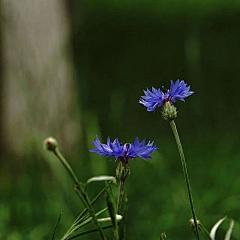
<point x="93" y="201"/>
<point x="120" y="196"/>
<point x="88" y="205"/>
<point x="66" y="165"/>
<point x="79" y="190"/>
<point x="80" y="225"/>
<point x="205" y="231"/>
<point x="116" y="234"/>
<point x="54" y="232"/>
<point x="81" y="216"/>
<point x="89" y="231"/>
<point x="185" y="171"/>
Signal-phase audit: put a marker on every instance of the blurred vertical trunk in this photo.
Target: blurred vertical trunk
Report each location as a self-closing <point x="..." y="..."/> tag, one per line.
<point x="38" y="88"/>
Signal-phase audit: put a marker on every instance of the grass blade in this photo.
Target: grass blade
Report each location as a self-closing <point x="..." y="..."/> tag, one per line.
<point x="215" y="227"/>
<point x="88" y="231"/>
<point x="229" y="231"/>
<point x="88" y="220"/>
<point x="84" y="215"/>
<point x="54" y="231"/>
<point x="112" y="212"/>
<point x="92" y="202"/>
<point x="101" y="178"/>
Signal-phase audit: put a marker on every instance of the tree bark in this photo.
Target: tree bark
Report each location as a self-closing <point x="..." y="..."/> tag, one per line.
<point x="38" y="88"/>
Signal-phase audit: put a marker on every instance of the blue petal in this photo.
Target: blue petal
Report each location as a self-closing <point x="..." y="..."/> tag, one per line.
<point x="179" y="90"/>
<point x="153" y="99"/>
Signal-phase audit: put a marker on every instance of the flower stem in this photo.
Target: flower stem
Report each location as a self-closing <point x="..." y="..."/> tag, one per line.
<point x="66" y="165"/>
<point x="84" y="198"/>
<point x="89" y="231"/>
<point x="120" y="196"/>
<point x="205" y="231"/>
<point x="185" y="171"/>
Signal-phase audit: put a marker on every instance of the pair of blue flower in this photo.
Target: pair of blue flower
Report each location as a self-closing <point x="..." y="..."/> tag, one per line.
<point x="152" y="99"/>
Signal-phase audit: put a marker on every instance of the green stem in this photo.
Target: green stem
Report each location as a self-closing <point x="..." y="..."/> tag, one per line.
<point x="81" y="217"/>
<point x="120" y="196"/>
<point x="88" y="205"/>
<point x="54" y="232"/>
<point x="93" y="202"/>
<point x="66" y="165"/>
<point x="79" y="190"/>
<point x="89" y="231"/>
<point x="205" y="231"/>
<point x="83" y="223"/>
<point x="185" y="171"/>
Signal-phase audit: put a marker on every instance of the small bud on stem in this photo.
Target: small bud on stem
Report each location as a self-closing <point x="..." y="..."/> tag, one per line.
<point x="50" y="143"/>
<point x="192" y="224"/>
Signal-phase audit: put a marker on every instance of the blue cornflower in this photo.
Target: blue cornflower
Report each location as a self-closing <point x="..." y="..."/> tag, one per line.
<point x="156" y="97"/>
<point x="124" y="152"/>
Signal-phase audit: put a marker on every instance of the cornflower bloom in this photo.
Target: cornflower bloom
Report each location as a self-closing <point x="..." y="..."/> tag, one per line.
<point x="126" y="151"/>
<point x="157" y="97"/>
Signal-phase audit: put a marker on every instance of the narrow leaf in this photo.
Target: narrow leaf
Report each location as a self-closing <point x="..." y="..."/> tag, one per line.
<point x="81" y="215"/>
<point x="101" y="178"/>
<point x="112" y="212"/>
<point x="108" y="219"/>
<point x="77" y="226"/>
<point x="215" y="227"/>
<point x="89" y="231"/>
<point x="54" y="231"/>
<point x="229" y="231"/>
<point x="88" y="220"/>
<point x="84" y="215"/>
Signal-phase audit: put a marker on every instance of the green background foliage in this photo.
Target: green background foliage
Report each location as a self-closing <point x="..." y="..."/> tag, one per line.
<point x="120" y="48"/>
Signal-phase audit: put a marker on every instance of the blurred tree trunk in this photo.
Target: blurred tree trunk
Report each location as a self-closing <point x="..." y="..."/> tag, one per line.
<point x="38" y="88"/>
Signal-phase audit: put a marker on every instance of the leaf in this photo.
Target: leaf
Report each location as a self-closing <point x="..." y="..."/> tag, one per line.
<point x="89" y="231"/>
<point x="85" y="222"/>
<point x="88" y="220"/>
<point x="229" y="231"/>
<point x="108" y="219"/>
<point x="82" y="214"/>
<point x="215" y="227"/>
<point x="101" y="178"/>
<point x="112" y="212"/>
<point x="54" y="231"/>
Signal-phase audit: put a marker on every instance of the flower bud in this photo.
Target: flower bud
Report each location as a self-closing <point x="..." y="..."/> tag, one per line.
<point x="169" y="111"/>
<point x="50" y="143"/>
<point x="122" y="171"/>
<point x="163" y="236"/>
<point x="192" y="224"/>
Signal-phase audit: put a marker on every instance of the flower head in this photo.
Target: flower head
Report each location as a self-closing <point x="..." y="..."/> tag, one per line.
<point x="125" y="151"/>
<point x="157" y="97"/>
<point x="50" y="143"/>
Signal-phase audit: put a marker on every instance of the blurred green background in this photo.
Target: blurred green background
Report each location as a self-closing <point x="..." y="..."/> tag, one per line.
<point x="119" y="48"/>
